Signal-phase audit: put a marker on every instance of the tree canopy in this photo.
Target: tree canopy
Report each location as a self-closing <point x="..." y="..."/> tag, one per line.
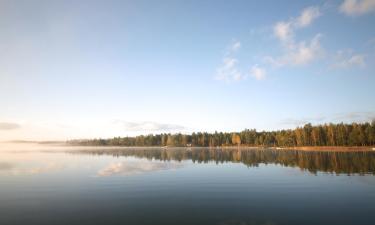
<point x="354" y="134"/>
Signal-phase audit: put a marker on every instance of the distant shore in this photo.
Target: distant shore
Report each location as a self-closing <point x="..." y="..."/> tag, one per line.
<point x="332" y="148"/>
<point x="301" y="148"/>
<point x="310" y="148"/>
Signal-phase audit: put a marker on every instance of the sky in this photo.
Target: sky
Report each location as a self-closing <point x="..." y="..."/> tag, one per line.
<point x="89" y="69"/>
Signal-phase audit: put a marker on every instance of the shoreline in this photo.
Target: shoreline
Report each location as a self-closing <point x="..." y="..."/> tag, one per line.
<point x="49" y="145"/>
<point x="332" y="148"/>
<point x="298" y="148"/>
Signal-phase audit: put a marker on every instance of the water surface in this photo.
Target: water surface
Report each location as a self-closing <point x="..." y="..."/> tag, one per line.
<point x="185" y="186"/>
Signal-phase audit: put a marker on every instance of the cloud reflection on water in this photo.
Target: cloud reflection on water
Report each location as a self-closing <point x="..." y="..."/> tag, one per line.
<point x="11" y="169"/>
<point x="127" y="168"/>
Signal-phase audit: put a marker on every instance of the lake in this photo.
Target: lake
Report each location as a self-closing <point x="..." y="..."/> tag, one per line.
<point x="139" y="186"/>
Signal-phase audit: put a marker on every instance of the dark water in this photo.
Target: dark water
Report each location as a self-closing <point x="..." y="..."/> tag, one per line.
<point x="139" y="186"/>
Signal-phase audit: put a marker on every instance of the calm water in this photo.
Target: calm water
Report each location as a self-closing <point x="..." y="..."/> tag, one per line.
<point x="139" y="186"/>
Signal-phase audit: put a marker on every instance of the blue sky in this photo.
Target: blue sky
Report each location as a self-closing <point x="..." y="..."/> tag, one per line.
<point x="76" y="69"/>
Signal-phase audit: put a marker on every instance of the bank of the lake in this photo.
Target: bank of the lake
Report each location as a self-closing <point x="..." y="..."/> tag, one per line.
<point x="331" y="148"/>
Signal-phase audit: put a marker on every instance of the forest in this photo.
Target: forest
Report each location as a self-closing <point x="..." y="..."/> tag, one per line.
<point x="354" y="134"/>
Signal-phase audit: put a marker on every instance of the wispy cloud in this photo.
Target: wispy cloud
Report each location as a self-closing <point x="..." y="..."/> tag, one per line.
<point x="300" y="53"/>
<point x="371" y="42"/>
<point x="308" y="15"/>
<point x="357" y="7"/>
<point x="284" y="30"/>
<point x="258" y="72"/>
<point x="9" y="126"/>
<point x="302" y="121"/>
<point x="148" y="126"/>
<point x="354" y="116"/>
<point x="235" y="46"/>
<point x="347" y="117"/>
<point x="297" y="53"/>
<point x="346" y="59"/>
<point x="228" y="70"/>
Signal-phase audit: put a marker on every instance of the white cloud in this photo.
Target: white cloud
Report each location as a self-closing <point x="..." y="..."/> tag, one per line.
<point x="355" y="116"/>
<point x="235" y="46"/>
<point x="258" y="72"/>
<point x="283" y="30"/>
<point x="347" y="117"/>
<point x="297" y="53"/>
<point x="357" y="7"/>
<point x="304" y="53"/>
<point x="300" y="53"/>
<point x="148" y="126"/>
<point x="307" y="16"/>
<point x="302" y="121"/>
<point x="346" y="59"/>
<point x="228" y="70"/>
<point x="294" y="52"/>
<point x="357" y="60"/>
<point x="229" y="62"/>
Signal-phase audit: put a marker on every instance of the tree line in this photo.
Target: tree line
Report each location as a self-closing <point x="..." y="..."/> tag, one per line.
<point x="354" y="134"/>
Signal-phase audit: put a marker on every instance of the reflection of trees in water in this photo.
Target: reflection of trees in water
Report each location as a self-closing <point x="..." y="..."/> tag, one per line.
<point x="334" y="162"/>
